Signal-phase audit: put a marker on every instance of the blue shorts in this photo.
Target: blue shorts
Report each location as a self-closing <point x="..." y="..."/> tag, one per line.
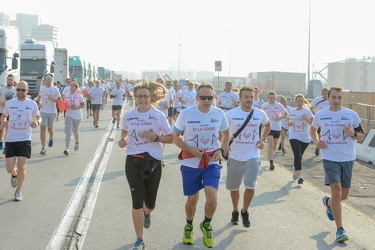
<point x="194" y="179"/>
<point x="338" y="172"/>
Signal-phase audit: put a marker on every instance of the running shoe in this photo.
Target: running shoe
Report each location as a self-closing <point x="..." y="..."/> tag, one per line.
<point x="283" y="151"/>
<point x="147" y="221"/>
<point x="96" y="125"/>
<point x="234" y="219"/>
<point x="279" y="148"/>
<point x="328" y="208"/>
<point x="295" y="176"/>
<point x="139" y="245"/>
<point x="300" y="180"/>
<point x="76" y="147"/>
<point x="317" y="151"/>
<point x="188" y="237"/>
<point x="272" y="166"/>
<point x="4" y="150"/>
<point x="66" y="152"/>
<point x="118" y="126"/>
<point x="17" y="195"/>
<point x="13" y="181"/>
<point x="245" y="219"/>
<point x="208" y="238"/>
<point x="114" y="120"/>
<point x="1" y="147"/>
<point x="50" y="143"/>
<point x="341" y="235"/>
<point x="43" y="151"/>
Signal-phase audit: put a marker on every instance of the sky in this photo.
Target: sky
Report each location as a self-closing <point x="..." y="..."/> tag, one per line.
<point x="247" y="36"/>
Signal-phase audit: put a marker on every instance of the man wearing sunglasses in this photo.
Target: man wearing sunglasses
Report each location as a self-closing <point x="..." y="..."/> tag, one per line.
<point x="7" y="92"/>
<point x="21" y="111"/>
<point x="48" y="97"/>
<point x="201" y="154"/>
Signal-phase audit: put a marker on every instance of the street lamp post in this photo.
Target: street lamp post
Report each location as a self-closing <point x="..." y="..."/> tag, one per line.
<point x="179" y="61"/>
<point x="230" y="53"/>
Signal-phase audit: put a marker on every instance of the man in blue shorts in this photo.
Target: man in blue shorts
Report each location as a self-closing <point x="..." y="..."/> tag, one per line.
<point x="201" y="156"/>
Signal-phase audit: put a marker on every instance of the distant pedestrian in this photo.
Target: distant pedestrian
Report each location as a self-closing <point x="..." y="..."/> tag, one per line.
<point x="299" y="121"/>
<point x="244" y="156"/>
<point x="340" y="128"/>
<point x="228" y="99"/>
<point x="317" y="104"/>
<point x="97" y="95"/>
<point x="144" y="131"/>
<point x="275" y="112"/>
<point x="88" y="88"/>
<point x="176" y="100"/>
<point x="7" y="93"/>
<point x="118" y="95"/>
<point x="73" y="116"/>
<point x="258" y="102"/>
<point x="47" y="99"/>
<point x="21" y="111"/>
<point x="201" y="155"/>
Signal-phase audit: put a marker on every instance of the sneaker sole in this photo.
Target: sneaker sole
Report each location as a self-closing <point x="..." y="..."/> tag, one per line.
<point x="343" y="239"/>
<point x="324" y="203"/>
<point x="202" y="228"/>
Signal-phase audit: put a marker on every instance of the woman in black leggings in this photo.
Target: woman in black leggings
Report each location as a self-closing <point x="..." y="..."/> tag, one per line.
<point x="299" y="121"/>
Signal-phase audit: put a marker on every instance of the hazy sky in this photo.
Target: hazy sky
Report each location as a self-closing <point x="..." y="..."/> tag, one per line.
<point x="254" y="35"/>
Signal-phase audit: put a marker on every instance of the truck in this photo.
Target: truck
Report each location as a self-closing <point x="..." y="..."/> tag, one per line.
<point x="101" y="73"/>
<point x="61" y="65"/>
<point x="37" y="59"/>
<point x="9" y="53"/>
<point x="78" y="69"/>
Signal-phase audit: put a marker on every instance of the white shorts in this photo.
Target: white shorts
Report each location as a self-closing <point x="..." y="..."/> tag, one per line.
<point x="236" y="170"/>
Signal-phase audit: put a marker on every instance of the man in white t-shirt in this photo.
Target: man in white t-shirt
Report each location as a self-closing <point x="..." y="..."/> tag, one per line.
<point x="48" y="97"/>
<point x="7" y="93"/>
<point x="258" y="102"/>
<point x="189" y="96"/>
<point x="201" y="156"/>
<point x="340" y="128"/>
<point x="317" y="104"/>
<point x="97" y="94"/>
<point x="244" y="154"/>
<point x="21" y="111"/>
<point x="275" y="112"/>
<point x="228" y="99"/>
<point x="118" y="95"/>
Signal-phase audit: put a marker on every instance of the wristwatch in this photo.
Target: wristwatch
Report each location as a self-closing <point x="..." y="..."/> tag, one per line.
<point x="355" y="134"/>
<point x="157" y="139"/>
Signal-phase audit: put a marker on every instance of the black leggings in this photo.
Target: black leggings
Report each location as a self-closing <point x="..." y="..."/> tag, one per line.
<point x="298" y="148"/>
<point x="142" y="190"/>
<point x="88" y="105"/>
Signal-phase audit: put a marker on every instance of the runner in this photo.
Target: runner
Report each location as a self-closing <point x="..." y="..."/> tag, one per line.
<point x="228" y="99"/>
<point x="89" y="86"/>
<point x="275" y="112"/>
<point x="244" y="156"/>
<point x="96" y="95"/>
<point x="201" y="156"/>
<point x="118" y="95"/>
<point x="21" y="111"/>
<point x="7" y="92"/>
<point x="48" y="97"/>
<point x="284" y="125"/>
<point x="340" y="128"/>
<point x="176" y="100"/>
<point x="144" y="131"/>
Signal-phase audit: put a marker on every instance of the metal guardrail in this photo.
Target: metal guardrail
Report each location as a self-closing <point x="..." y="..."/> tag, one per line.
<point x="369" y="111"/>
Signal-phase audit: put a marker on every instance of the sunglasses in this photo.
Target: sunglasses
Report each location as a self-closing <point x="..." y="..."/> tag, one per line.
<point x="48" y="78"/>
<point x="20" y="90"/>
<point x="203" y="97"/>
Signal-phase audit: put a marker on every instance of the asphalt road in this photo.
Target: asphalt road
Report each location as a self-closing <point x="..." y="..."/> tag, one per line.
<point x="82" y="201"/>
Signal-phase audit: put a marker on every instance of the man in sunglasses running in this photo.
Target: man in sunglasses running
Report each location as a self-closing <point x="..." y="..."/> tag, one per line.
<point x="201" y="154"/>
<point x="21" y="111"/>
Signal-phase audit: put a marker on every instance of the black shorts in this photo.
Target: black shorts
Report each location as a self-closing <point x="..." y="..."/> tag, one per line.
<point x="95" y="107"/>
<point x="274" y="133"/>
<point x="116" y="107"/>
<point x="18" y="148"/>
<point x="170" y="112"/>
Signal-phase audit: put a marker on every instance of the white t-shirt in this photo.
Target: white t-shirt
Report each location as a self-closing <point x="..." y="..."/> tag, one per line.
<point x="301" y="128"/>
<point x="136" y="123"/>
<point x="226" y="100"/>
<point x="201" y="130"/>
<point x="6" y="94"/>
<point x="162" y="104"/>
<point x="96" y="95"/>
<point x="177" y="103"/>
<point x="21" y="114"/>
<point x="189" y="98"/>
<point x="319" y="103"/>
<point x="273" y="111"/>
<point x="258" y="103"/>
<point x="119" y="96"/>
<point x="46" y="105"/>
<point x="244" y="147"/>
<point x="340" y="147"/>
<point x="74" y="99"/>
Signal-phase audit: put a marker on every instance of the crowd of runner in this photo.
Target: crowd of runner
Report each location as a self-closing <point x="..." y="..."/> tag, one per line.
<point x="206" y="125"/>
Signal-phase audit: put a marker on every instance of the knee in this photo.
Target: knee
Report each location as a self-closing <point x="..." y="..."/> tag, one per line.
<point x="192" y="202"/>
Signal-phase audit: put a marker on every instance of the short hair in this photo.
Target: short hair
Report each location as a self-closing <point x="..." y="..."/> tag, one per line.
<point x="205" y="85"/>
<point x="246" y="88"/>
<point x="336" y="88"/>
<point x="229" y="82"/>
<point x="10" y="75"/>
<point x="271" y="93"/>
<point x="325" y="89"/>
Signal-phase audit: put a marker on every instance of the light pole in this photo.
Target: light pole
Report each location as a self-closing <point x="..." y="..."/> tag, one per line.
<point x="308" y="50"/>
<point x="230" y="52"/>
<point x="179" y="61"/>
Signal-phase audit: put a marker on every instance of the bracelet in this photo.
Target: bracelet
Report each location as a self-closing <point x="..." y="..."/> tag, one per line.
<point x="222" y="150"/>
